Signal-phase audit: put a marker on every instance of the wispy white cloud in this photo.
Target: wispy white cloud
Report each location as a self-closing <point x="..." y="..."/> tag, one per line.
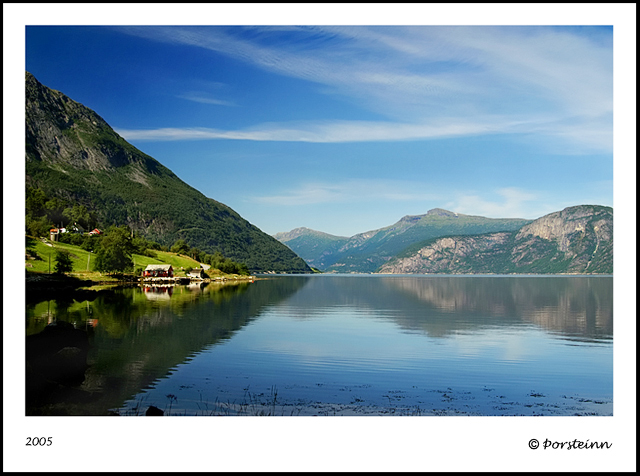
<point x="509" y="202"/>
<point x="506" y="202"/>
<point x="205" y="98"/>
<point x="316" y="132"/>
<point x="339" y="131"/>
<point x="563" y="66"/>
<point x="395" y="197"/>
<point x="422" y="76"/>
<point x="350" y="191"/>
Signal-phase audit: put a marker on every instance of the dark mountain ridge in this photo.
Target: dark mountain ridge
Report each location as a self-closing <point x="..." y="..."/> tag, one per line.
<point x="73" y="154"/>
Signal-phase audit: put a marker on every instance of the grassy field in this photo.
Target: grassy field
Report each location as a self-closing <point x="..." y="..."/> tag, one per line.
<point x="179" y="262"/>
<point x="83" y="261"/>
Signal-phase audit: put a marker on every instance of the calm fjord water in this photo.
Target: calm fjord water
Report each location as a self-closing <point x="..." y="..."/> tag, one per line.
<point x="351" y="345"/>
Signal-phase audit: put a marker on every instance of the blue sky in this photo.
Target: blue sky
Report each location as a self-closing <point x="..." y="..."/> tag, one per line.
<point x="503" y="121"/>
<point x="345" y="129"/>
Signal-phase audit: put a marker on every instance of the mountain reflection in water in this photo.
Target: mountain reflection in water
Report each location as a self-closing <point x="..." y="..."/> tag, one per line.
<point x="143" y="333"/>
<point x="572" y="307"/>
<point x="302" y="332"/>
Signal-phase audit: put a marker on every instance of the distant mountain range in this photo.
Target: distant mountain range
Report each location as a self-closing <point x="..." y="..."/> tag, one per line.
<point x="367" y="252"/>
<point x="318" y="249"/>
<point x="73" y="154"/>
<point x="575" y="240"/>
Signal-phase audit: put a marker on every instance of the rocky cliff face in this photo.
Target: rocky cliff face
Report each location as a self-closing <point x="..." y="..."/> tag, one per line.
<point x="453" y="255"/>
<point x="582" y="237"/>
<point x="63" y="132"/>
<point x="575" y="240"/>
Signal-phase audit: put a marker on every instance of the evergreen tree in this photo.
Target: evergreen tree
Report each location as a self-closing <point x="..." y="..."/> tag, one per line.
<point x="63" y="262"/>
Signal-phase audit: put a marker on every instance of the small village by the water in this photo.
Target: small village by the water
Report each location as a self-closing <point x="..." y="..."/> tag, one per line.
<point x="164" y="274"/>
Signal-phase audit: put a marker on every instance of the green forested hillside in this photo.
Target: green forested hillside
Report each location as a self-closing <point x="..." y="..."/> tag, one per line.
<point x="74" y="155"/>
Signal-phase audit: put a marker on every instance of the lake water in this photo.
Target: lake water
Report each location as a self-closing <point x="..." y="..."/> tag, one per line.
<point x="345" y="345"/>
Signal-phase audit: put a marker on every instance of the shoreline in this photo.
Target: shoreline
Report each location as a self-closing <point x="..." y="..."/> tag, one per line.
<point x="483" y="402"/>
<point x="39" y="286"/>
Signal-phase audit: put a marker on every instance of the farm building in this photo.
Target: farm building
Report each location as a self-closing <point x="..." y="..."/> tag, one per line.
<point x="197" y="273"/>
<point x="158" y="271"/>
<point x="75" y="228"/>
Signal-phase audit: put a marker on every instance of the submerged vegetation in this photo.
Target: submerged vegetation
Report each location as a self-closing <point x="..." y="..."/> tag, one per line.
<point x="435" y="402"/>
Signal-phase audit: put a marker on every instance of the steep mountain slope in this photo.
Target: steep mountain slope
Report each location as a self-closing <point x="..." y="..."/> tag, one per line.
<point x="366" y="252"/>
<point x="575" y="240"/>
<point x="72" y="153"/>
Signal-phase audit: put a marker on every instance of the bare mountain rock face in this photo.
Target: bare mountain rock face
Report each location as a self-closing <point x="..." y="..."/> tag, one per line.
<point x="63" y="132"/>
<point x="459" y="254"/>
<point x="582" y="236"/>
<point x="575" y="240"/>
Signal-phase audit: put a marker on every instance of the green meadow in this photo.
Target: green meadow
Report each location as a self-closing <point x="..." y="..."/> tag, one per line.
<point x="44" y="252"/>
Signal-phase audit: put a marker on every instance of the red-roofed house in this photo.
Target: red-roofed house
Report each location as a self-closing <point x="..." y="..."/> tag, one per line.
<point x="158" y="271"/>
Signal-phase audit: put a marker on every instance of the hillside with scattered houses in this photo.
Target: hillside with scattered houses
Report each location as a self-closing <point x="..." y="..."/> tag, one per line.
<point x="43" y="255"/>
<point x="79" y="170"/>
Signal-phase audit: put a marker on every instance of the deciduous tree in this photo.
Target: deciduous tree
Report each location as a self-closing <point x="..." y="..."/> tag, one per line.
<point x="115" y="250"/>
<point x="180" y="247"/>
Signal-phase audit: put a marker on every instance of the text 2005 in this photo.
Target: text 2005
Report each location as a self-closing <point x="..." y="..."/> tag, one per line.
<point x="42" y="441"/>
